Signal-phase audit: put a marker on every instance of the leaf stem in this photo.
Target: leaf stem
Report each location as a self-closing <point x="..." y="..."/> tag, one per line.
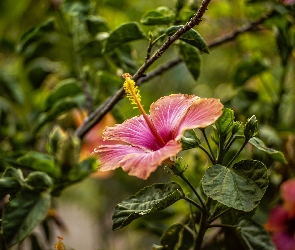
<point x="236" y="155"/>
<point x="208" y="144"/>
<point x="217" y="216"/>
<point x="186" y="180"/>
<point x="222" y="225"/>
<point x="207" y="153"/>
<point x="194" y="203"/>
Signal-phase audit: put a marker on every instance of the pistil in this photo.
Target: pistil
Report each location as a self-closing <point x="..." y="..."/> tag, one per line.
<point x="133" y="94"/>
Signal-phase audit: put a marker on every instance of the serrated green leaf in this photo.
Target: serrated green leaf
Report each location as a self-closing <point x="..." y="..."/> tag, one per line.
<point x="39" y="181"/>
<point x="248" y="68"/>
<point x="96" y="24"/>
<point x="65" y="88"/>
<point x="125" y="33"/>
<point x="22" y="214"/>
<point x="35" y="33"/>
<point x="192" y="59"/>
<point x="225" y="121"/>
<point x="160" y="16"/>
<point x="177" y="237"/>
<point x="240" y="187"/>
<point x="275" y="154"/>
<point x="40" y="162"/>
<point x="253" y="236"/>
<point x="60" y="107"/>
<point x="148" y="200"/>
<point x="189" y="140"/>
<point x="191" y="37"/>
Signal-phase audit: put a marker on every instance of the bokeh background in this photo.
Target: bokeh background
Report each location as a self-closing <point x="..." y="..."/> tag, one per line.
<point x="253" y="74"/>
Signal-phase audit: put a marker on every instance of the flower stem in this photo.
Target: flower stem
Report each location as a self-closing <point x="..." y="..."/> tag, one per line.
<point x="236" y="155"/>
<point x="206" y="139"/>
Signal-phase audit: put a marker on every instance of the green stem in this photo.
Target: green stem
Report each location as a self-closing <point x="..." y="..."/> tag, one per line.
<point x="207" y="153"/>
<point x="236" y="155"/>
<point x="218" y="215"/>
<point x="194" y="203"/>
<point x="222" y="225"/>
<point x="203" y="225"/>
<point x="182" y="176"/>
<point x="208" y="144"/>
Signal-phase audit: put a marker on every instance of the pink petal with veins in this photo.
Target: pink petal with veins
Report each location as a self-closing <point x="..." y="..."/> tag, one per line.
<point x="134" y="131"/>
<point x="168" y="111"/>
<point x="141" y="164"/>
<point x="201" y="113"/>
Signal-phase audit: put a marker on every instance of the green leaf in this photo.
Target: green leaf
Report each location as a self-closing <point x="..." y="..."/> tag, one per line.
<point x="160" y="16"/>
<point x="96" y="24"/>
<point x="40" y="162"/>
<point x="22" y="214"/>
<point x="240" y="187"/>
<point x="58" y="108"/>
<point x="253" y="236"/>
<point x="110" y="82"/>
<point x="192" y="59"/>
<point x="35" y="34"/>
<point x="39" y="181"/>
<point x="65" y="88"/>
<point x="10" y="88"/>
<point x="83" y="169"/>
<point x="148" y="200"/>
<point x="190" y="140"/>
<point x="275" y="154"/>
<point x="225" y="121"/>
<point x="76" y="9"/>
<point x="11" y="181"/>
<point x="248" y="68"/>
<point x="191" y="37"/>
<point x="177" y="237"/>
<point x="125" y="33"/>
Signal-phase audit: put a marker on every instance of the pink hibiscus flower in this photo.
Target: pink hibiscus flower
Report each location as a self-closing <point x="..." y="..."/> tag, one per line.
<point x="281" y="222"/>
<point x="146" y="141"/>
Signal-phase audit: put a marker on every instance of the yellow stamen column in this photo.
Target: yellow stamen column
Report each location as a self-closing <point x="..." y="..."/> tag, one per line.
<point x="133" y="94"/>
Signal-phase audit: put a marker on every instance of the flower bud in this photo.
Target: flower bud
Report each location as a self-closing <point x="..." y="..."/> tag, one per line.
<point x="251" y="127"/>
<point x="236" y="127"/>
<point x="56" y="135"/>
<point x="68" y="152"/>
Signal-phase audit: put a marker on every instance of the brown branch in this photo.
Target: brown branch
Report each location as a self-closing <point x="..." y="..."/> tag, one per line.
<point x="100" y="112"/>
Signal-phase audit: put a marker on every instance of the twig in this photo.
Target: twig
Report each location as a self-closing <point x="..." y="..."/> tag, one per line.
<point x="105" y="107"/>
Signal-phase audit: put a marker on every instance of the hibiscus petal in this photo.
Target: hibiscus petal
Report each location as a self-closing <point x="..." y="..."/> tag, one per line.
<point x="134" y="131"/>
<point x="142" y="164"/>
<point x="168" y="111"/>
<point x="201" y="113"/>
<point x="110" y="155"/>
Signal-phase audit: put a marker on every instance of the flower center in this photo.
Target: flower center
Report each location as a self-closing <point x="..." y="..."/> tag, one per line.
<point x="133" y="94"/>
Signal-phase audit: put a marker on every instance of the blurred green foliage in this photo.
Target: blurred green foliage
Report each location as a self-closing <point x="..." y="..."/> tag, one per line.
<point x="56" y="56"/>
